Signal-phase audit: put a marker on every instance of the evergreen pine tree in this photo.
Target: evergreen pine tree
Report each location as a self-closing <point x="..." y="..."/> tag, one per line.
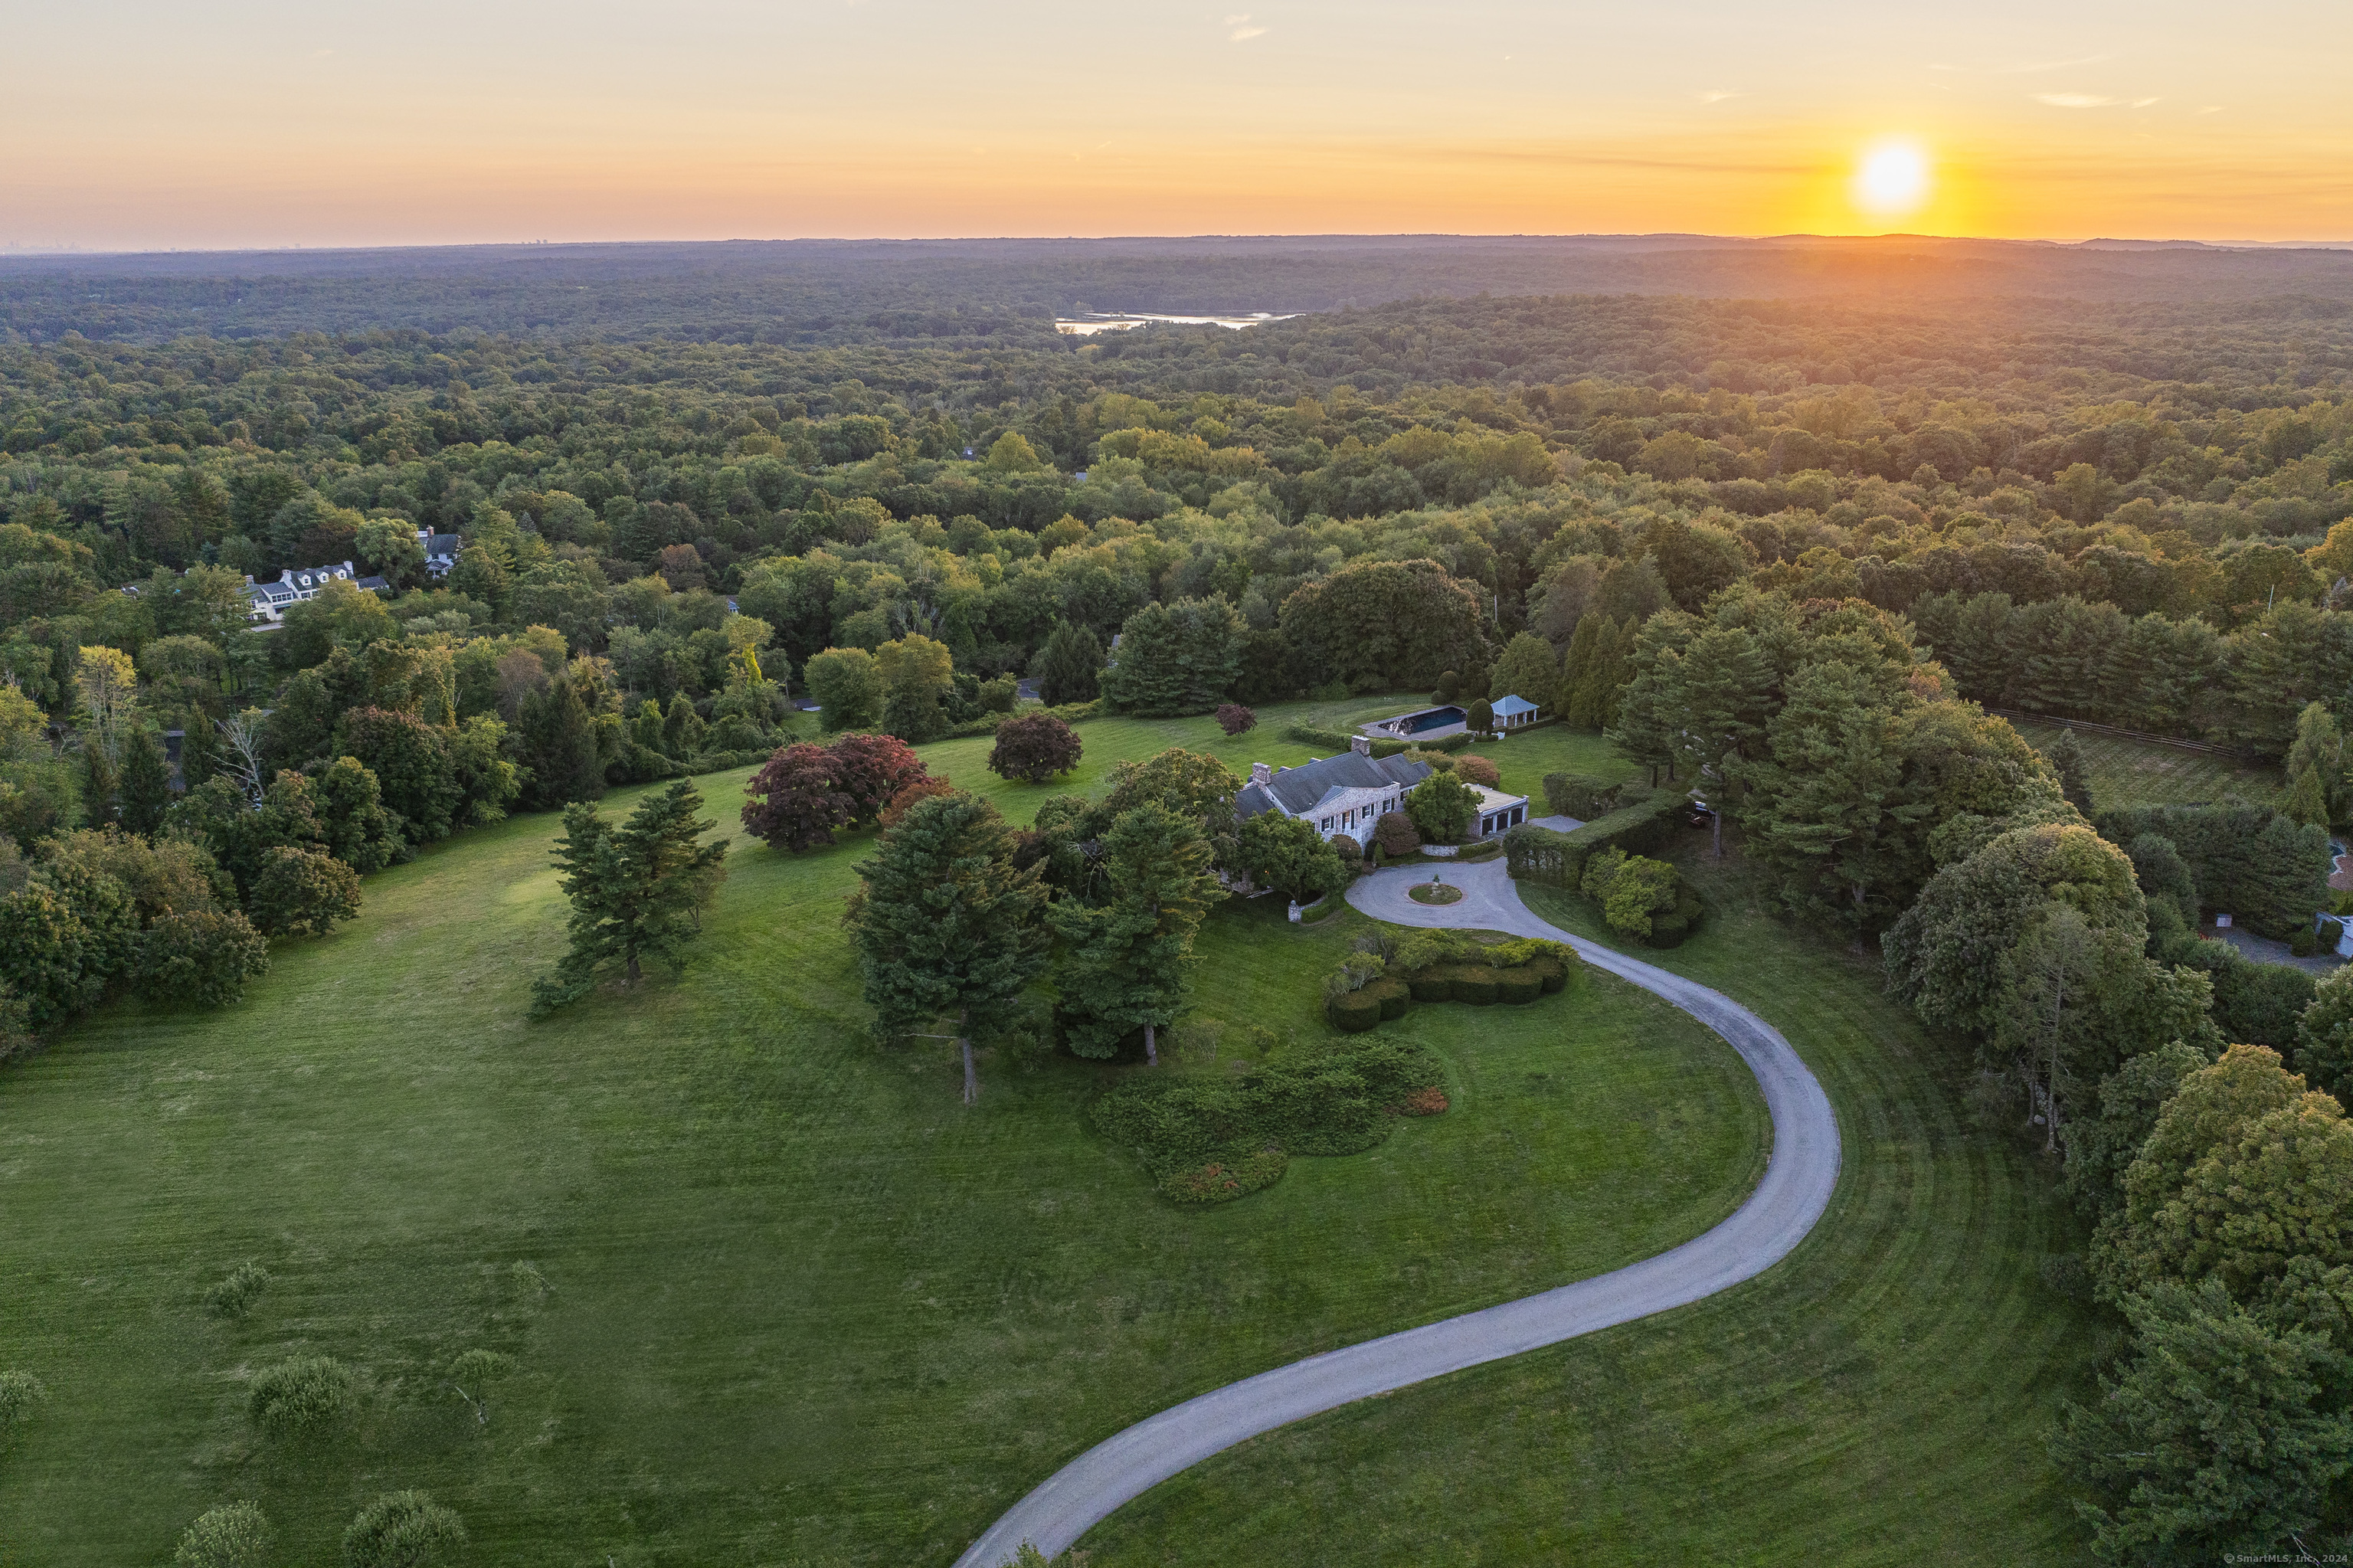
<point x="1148" y="668"/>
<point x="1579" y="674"/>
<point x="945" y="927"/>
<point x="560" y="743"/>
<point x="636" y="890"/>
<point x="2308" y="799"/>
<point x="1644" y="729"/>
<point x="1722" y="690"/>
<point x="1617" y="669"/>
<point x="1068" y="667"/>
<point x="146" y="788"/>
<point x="2067" y="757"/>
<point x="99" y="784"/>
<point x="1130" y="961"/>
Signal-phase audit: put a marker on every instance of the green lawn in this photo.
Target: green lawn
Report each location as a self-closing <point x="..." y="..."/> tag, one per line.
<point x="1882" y="1396"/>
<point x="776" y="1296"/>
<point x="2140" y="773"/>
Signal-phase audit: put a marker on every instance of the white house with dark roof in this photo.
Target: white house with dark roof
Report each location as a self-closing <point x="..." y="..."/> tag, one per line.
<point x="1350" y="792"/>
<point x="266" y="603"/>
<point x="1343" y="794"/>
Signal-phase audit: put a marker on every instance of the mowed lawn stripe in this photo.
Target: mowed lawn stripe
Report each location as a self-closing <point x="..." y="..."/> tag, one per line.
<point x="1883" y="1397"/>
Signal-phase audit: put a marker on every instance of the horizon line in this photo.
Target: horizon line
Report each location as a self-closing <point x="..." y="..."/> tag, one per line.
<point x="13" y="249"/>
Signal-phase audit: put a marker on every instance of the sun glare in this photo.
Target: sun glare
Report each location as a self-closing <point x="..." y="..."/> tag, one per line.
<point x="1892" y="179"/>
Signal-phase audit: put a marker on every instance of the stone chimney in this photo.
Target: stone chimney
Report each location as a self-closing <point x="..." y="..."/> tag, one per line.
<point x="1362" y="745"/>
<point x="1261" y="773"/>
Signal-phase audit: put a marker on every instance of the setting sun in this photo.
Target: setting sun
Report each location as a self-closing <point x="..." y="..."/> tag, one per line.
<point x="1892" y="179"/>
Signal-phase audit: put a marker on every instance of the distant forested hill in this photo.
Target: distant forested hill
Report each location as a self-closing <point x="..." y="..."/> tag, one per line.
<point x="1002" y="293"/>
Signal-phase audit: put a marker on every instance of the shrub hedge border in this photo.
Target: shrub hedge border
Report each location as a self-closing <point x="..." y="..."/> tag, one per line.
<point x="1557" y="859"/>
<point x="1388" y="998"/>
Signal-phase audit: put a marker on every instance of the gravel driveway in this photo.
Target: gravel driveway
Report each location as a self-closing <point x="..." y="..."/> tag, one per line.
<point x="1796" y="1190"/>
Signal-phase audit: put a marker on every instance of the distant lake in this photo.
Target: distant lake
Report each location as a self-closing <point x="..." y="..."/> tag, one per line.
<point x="1095" y="321"/>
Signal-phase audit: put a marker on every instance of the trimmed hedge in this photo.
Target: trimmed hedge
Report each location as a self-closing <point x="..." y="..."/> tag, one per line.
<point x="1206" y="1140"/>
<point x="1447" y="966"/>
<point x="1581" y="796"/>
<point x="1557" y="859"/>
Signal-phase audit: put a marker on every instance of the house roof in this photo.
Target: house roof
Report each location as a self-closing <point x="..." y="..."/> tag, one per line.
<point x="443" y="544"/>
<point x="1301" y="790"/>
<point x="1513" y="704"/>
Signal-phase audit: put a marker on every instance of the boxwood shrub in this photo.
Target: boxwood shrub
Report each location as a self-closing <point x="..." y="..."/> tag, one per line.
<point x="1522" y="984"/>
<point x="1180" y="1126"/>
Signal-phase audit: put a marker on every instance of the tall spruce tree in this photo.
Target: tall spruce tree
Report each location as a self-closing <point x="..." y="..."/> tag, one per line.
<point x="1129" y="962"/>
<point x="1616" y="664"/>
<point x="1070" y="666"/>
<point x="99" y="784"/>
<point x="146" y="786"/>
<point x="636" y="889"/>
<point x="1717" y="712"/>
<point x="2067" y="757"/>
<point x="1582" y="704"/>
<point x="1645" y="729"/>
<point x="945" y="927"/>
<point x="1827" y="808"/>
<point x="560" y="743"/>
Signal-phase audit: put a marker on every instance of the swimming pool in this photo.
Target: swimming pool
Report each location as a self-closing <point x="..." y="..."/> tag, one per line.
<point x="1424" y="721"/>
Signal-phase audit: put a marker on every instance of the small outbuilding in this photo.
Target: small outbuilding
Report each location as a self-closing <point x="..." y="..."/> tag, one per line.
<point x="1515" y="712"/>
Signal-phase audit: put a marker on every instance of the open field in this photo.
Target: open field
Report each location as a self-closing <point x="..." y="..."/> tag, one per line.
<point x="2140" y="773"/>
<point x="1882" y="1396"/>
<point x="775" y="1295"/>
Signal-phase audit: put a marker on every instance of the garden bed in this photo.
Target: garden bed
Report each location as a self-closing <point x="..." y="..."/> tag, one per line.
<point x="1434" y="892"/>
<point x="1211" y="1140"/>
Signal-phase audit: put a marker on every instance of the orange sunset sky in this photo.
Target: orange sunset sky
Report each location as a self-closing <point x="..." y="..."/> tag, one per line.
<point x="134" y="125"/>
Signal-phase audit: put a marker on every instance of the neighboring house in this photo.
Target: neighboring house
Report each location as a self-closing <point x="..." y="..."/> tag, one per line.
<point x="1513" y="712"/>
<point x="266" y="603"/>
<point x="1343" y="794"/>
<point x="440" y="551"/>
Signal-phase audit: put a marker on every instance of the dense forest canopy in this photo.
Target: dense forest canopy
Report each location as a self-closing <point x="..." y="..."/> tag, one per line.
<point x="836" y="292"/>
<point x="624" y="505"/>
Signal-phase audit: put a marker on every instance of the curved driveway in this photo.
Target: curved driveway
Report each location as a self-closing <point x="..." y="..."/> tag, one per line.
<point x="1798" y="1177"/>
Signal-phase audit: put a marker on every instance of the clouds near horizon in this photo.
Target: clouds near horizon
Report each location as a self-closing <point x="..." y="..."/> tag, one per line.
<point x="256" y="122"/>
